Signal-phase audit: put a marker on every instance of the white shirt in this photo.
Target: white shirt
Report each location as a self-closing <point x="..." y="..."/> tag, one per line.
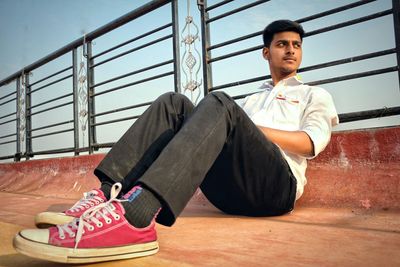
<point x="294" y="106"/>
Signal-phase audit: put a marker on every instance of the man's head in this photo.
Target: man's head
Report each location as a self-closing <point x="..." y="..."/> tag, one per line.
<point x="283" y="48"/>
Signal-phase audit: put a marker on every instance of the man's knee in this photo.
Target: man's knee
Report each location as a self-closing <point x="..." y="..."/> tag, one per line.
<point x="222" y="98"/>
<point x="172" y="98"/>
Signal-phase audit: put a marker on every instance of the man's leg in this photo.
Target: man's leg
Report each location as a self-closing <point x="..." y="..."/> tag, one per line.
<point x="250" y="176"/>
<point x="141" y="144"/>
<point x="211" y="138"/>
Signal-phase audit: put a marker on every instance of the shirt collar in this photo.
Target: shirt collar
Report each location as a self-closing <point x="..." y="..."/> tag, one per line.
<point x="291" y="81"/>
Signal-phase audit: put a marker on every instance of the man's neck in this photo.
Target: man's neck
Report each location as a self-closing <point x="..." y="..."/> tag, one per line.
<point x="277" y="78"/>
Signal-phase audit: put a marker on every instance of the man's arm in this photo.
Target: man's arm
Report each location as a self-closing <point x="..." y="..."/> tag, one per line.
<point x="297" y="142"/>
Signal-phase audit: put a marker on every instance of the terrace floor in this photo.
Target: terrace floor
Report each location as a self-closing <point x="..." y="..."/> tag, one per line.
<point x="203" y="236"/>
<point x="348" y="216"/>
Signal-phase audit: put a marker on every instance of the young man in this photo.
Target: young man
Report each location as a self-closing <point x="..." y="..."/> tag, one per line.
<point x="248" y="160"/>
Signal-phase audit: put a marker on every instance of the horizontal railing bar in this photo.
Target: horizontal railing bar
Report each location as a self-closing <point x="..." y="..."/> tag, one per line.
<point x="232" y="41"/>
<point x="51" y="108"/>
<point x="10" y="94"/>
<point x="51" y="100"/>
<point x="8" y="101"/>
<point x="8" y="115"/>
<point x="133" y="83"/>
<point x="242" y="96"/>
<point x="134" y="72"/>
<point x="54" y="151"/>
<point x="138" y="12"/>
<point x="8" y="142"/>
<point x="51" y="125"/>
<point x="236" y="10"/>
<point x="242" y="82"/>
<point x="133" y="50"/>
<point x="7" y="157"/>
<point x="334" y="10"/>
<point x="104" y="145"/>
<point x="116" y="120"/>
<point x="319" y="15"/>
<point x="218" y="5"/>
<point x="8" y="135"/>
<point x="237" y="53"/>
<point x="133" y="40"/>
<point x="326" y="29"/>
<point x="369" y="114"/>
<point x="121" y="109"/>
<point x="350" y="22"/>
<point x="53" y="133"/>
<point x="47" y="85"/>
<point x="52" y="75"/>
<point x="348" y="60"/>
<point x="355" y="76"/>
<point x="5" y="122"/>
<point x="265" y="77"/>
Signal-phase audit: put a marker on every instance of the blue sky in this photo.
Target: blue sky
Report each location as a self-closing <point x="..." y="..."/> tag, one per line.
<point x="32" y="29"/>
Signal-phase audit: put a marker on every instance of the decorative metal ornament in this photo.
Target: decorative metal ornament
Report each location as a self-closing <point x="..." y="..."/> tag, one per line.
<point x="191" y="56"/>
<point x="21" y="107"/>
<point x="82" y="94"/>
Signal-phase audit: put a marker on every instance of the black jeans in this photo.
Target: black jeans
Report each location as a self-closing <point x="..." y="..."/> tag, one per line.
<point x="174" y="148"/>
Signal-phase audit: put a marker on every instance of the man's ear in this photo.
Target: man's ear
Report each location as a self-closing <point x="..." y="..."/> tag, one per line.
<point x="265" y="53"/>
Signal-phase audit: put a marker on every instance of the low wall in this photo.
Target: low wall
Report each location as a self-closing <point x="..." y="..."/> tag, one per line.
<point x="359" y="169"/>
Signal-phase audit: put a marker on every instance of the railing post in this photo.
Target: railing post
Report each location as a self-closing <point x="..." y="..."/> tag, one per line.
<point x="28" y="119"/>
<point x="76" y="100"/>
<point x="175" y="44"/>
<point x="396" y="25"/>
<point x="91" y="100"/>
<point x="205" y="43"/>
<point x="17" y="156"/>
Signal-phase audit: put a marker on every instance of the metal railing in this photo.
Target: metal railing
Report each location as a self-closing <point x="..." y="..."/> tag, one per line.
<point x="80" y="75"/>
<point x="208" y="59"/>
<point x="84" y="89"/>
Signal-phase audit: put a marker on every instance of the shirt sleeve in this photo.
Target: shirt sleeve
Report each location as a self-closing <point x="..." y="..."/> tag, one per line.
<point x="319" y="118"/>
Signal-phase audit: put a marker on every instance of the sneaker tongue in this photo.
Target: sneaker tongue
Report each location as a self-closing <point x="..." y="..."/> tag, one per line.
<point x="96" y="192"/>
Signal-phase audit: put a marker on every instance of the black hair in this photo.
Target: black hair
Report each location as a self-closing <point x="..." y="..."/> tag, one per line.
<point x="281" y="26"/>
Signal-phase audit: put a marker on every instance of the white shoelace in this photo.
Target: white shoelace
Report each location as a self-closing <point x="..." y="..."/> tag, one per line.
<point x="90" y="199"/>
<point x="92" y="216"/>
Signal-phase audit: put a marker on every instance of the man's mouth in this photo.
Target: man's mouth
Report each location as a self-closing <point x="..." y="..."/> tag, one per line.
<point x="289" y="59"/>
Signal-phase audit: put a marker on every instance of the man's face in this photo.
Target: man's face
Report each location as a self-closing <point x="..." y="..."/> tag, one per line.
<point x="284" y="54"/>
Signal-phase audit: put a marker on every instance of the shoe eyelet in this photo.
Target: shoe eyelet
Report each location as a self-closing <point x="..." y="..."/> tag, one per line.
<point x="62" y="237"/>
<point x="100" y="225"/>
<point x="87" y="206"/>
<point x="91" y="228"/>
<point x="72" y="235"/>
<point x="97" y="202"/>
<point x="108" y="221"/>
<point x="117" y="217"/>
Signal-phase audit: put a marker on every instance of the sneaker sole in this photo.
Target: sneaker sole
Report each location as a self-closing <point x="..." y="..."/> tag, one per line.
<point x="81" y="255"/>
<point x="47" y="219"/>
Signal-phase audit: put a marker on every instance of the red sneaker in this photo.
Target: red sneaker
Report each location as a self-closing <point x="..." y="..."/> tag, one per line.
<point x="89" y="200"/>
<point x="101" y="234"/>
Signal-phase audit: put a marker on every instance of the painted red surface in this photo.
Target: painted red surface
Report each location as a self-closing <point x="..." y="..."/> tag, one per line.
<point x="359" y="169"/>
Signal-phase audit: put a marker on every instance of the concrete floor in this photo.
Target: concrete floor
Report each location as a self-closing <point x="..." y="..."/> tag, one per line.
<point x="203" y="236"/>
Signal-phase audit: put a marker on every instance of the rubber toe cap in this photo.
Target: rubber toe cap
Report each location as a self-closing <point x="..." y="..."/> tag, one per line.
<point x="38" y="235"/>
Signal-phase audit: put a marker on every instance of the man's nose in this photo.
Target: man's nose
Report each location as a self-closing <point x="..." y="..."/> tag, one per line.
<point x="290" y="49"/>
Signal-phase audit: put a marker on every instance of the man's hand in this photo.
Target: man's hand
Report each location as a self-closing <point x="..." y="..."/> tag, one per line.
<point x="297" y="142"/>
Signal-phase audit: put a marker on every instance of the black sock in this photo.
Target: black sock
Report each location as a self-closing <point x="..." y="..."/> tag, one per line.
<point x="106" y="188"/>
<point x="141" y="207"/>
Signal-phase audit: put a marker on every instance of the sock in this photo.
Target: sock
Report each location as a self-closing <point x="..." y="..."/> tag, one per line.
<point x="141" y="207"/>
<point x="106" y="188"/>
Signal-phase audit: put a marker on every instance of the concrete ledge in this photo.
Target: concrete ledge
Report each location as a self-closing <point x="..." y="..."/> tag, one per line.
<point x="358" y="169"/>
